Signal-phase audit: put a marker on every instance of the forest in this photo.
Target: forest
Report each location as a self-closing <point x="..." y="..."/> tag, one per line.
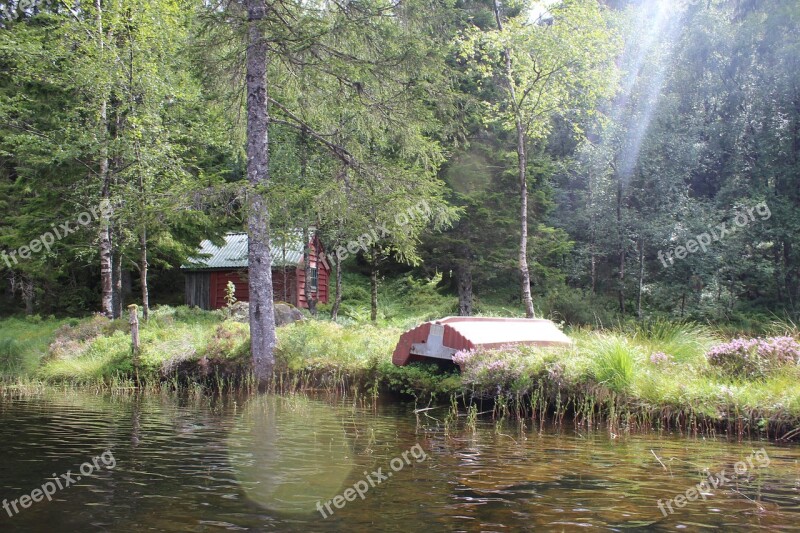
<point x="538" y="260"/>
<point x="636" y="159"/>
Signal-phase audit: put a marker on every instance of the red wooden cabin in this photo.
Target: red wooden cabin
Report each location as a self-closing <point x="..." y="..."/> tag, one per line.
<point x="207" y="274"/>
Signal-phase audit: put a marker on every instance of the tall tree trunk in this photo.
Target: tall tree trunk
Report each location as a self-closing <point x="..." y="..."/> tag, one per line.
<point x="522" y="162"/>
<point x="337" y="299"/>
<point x="593" y="237"/>
<point x="641" y="279"/>
<point x="116" y="260"/>
<point x="285" y="274"/>
<point x="262" y="311"/>
<point x="9" y="292"/>
<point x="106" y="268"/>
<point x="523" y="219"/>
<point x="307" y="291"/>
<point x="143" y="273"/>
<point x="28" y="292"/>
<point x="464" y="280"/>
<point x="621" y="237"/>
<point x="791" y="273"/>
<point x="143" y="264"/>
<point x="373" y="283"/>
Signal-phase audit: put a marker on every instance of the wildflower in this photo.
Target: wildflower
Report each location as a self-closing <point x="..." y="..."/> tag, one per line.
<point x="497" y="366"/>
<point x="556" y="373"/>
<point x="658" y="358"/>
<point x="461" y="357"/>
<point x="754" y="357"/>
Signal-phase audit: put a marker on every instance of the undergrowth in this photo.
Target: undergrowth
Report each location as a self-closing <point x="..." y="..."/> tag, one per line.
<point x="653" y="374"/>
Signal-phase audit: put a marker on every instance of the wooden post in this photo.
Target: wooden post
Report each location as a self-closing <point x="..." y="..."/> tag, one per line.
<point x="134" y="321"/>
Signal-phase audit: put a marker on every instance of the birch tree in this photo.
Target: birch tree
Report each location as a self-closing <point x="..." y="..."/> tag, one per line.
<point x="555" y="65"/>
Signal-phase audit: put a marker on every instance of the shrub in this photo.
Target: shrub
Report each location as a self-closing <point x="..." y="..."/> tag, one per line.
<point x="231" y="340"/>
<point x="355" y="293"/>
<point x="754" y="358"/>
<point x="193" y="314"/>
<point x="415" y="379"/>
<point x="462" y="357"/>
<point x="508" y="368"/>
<point x="575" y="307"/>
<point x="62" y="348"/>
<point x="84" y="330"/>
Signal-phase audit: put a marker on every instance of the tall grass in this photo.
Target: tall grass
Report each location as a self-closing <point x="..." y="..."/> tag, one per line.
<point x="320" y="344"/>
<point x="784" y="326"/>
<point x="685" y="342"/>
<point x="23" y="343"/>
<point x="11" y="353"/>
<point x="608" y="372"/>
<point x="615" y="360"/>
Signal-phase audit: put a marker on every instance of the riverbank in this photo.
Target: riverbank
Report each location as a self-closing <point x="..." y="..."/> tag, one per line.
<point x="648" y="376"/>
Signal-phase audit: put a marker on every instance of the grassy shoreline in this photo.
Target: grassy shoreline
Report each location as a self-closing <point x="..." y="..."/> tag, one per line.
<point x="636" y="377"/>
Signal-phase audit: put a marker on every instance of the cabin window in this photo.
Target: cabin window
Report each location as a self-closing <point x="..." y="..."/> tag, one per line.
<point x="314" y="279"/>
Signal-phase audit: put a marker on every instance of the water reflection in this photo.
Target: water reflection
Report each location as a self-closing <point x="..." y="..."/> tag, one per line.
<point x="290" y="452"/>
<point x="260" y="464"/>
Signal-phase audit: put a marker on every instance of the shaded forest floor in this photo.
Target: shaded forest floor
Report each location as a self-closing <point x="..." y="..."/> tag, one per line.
<point x="651" y="375"/>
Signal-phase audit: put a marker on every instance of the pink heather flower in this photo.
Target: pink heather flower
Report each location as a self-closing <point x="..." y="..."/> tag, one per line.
<point x="754" y="357"/>
<point x="779" y="349"/>
<point x="497" y="366"/>
<point x="461" y="357"/>
<point x="658" y="358"/>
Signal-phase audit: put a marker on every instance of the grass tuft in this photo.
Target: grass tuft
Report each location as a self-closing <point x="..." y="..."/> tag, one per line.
<point x="615" y="360"/>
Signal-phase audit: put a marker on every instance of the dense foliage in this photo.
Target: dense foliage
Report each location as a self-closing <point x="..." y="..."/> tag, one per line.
<point x="660" y="143"/>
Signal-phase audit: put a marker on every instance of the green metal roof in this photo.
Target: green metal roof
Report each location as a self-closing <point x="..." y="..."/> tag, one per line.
<point x="233" y="254"/>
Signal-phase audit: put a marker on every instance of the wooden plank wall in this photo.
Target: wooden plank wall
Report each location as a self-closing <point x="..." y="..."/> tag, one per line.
<point x="198" y="289"/>
<point x="219" y="283"/>
<point x="290" y="294"/>
<point x="323" y="276"/>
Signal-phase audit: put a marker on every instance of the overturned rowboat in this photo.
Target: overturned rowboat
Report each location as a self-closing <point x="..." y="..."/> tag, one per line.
<point x="440" y="339"/>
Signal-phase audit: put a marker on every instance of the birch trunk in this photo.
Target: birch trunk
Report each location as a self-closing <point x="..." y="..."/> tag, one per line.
<point x="523" y="220"/>
<point x="117" y="282"/>
<point x="522" y="167"/>
<point x="641" y="279"/>
<point x="373" y="282"/>
<point x="621" y="236"/>
<point x="106" y="266"/>
<point x="143" y="275"/>
<point x="311" y="302"/>
<point x="337" y="300"/>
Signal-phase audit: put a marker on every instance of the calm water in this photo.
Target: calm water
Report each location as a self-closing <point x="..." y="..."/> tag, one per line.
<point x="263" y="463"/>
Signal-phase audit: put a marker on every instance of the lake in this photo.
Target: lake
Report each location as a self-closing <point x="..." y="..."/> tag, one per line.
<point x="166" y="462"/>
